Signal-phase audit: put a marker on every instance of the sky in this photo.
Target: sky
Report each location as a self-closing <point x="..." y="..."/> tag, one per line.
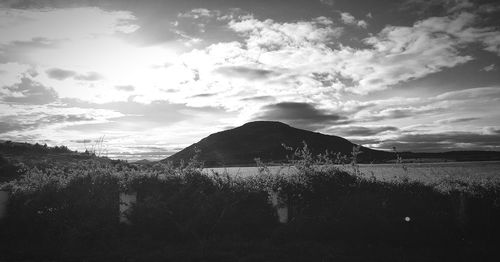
<point x="149" y="78"/>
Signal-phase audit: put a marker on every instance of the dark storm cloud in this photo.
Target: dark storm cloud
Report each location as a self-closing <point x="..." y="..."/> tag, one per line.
<point x="361" y="130"/>
<point x="28" y="92"/>
<point x="60" y="74"/>
<point x="128" y="88"/>
<point x="245" y="72"/>
<point x="302" y="115"/>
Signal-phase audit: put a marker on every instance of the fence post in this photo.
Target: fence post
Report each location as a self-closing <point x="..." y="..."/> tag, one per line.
<point x="127" y="201"/>
<point x="280" y="203"/>
<point x="460" y="206"/>
<point x="4" y="201"/>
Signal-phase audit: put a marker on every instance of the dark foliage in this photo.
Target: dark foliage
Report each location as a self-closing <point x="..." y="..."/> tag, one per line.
<point x="71" y="213"/>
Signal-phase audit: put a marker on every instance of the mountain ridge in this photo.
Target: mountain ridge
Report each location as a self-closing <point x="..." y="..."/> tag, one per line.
<point x="264" y="140"/>
<point x="240" y="146"/>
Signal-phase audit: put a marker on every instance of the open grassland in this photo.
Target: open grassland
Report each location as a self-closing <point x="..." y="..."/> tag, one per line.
<point x="72" y="211"/>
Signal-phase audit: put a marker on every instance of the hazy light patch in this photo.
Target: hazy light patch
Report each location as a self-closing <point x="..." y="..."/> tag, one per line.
<point x="109" y="62"/>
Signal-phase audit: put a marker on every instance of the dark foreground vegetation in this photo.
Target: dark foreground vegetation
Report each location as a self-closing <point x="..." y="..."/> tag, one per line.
<point x="70" y="212"/>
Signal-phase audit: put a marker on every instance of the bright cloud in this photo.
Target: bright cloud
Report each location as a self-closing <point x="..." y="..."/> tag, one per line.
<point x="349" y="19"/>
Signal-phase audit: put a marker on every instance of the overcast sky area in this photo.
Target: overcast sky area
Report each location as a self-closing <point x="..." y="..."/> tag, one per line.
<point x="155" y="76"/>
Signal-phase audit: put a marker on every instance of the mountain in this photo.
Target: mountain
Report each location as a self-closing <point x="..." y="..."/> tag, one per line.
<point x="264" y="139"/>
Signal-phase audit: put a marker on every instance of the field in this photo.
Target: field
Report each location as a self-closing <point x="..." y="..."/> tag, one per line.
<point x="319" y="212"/>
<point x="435" y="174"/>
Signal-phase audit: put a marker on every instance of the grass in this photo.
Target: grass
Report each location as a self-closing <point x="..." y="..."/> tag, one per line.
<point x="70" y="213"/>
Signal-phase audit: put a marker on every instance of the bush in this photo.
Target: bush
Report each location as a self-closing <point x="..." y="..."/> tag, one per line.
<point x="70" y="212"/>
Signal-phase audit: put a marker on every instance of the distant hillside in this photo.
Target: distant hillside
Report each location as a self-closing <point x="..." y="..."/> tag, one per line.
<point x="13" y="155"/>
<point x="264" y="139"/>
<point x="451" y="156"/>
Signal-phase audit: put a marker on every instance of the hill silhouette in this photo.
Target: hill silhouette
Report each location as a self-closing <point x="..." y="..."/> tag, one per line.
<point x="264" y="140"/>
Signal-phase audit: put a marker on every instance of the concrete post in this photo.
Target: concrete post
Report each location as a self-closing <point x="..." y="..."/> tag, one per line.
<point x="280" y="203"/>
<point x="4" y="201"/>
<point x="127" y="200"/>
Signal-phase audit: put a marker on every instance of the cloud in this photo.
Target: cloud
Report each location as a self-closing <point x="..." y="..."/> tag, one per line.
<point x="258" y="98"/>
<point x="90" y="76"/>
<point x="446" y="6"/>
<point x="127" y="88"/>
<point x="457" y="120"/>
<point x="204" y="95"/>
<point x="139" y="116"/>
<point x="303" y="62"/>
<point x="28" y="92"/>
<point x="30" y="121"/>
<point x="489" y="68"/>
<point x="440" y="112"/>
<point x="271" y="36"/>
<point x="492" y="43"/>
<point x="200" y="13"/>
<point x="18" y="51"/>
<point x="361" y="130"/>
<point x="60" y="74"/>
<point x="142" y="152"/>
<point x="388" y="112"/>
<point x="328" y="2"/>
<point x="402" y="53"/>
<point x="245" y="72"/>
<point x="303" y="115"/>
<point x="28" y="24"/>
<point x="348" y="19"/>
<point x="83" y="141"/>
<point x="470" y="94"/>
<point x="196" y="25"/>
<point x="436" y="142"/>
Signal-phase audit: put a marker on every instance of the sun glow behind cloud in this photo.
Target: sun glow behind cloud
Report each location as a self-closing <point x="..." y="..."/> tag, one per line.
<point x="227" y="66"/>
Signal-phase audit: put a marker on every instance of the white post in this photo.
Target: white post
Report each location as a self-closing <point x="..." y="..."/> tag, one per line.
<point x="127" y="200"/>
<point x="462" y="210"/>
<point x="279" y="202"/>
<point x="4" y="201"/>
